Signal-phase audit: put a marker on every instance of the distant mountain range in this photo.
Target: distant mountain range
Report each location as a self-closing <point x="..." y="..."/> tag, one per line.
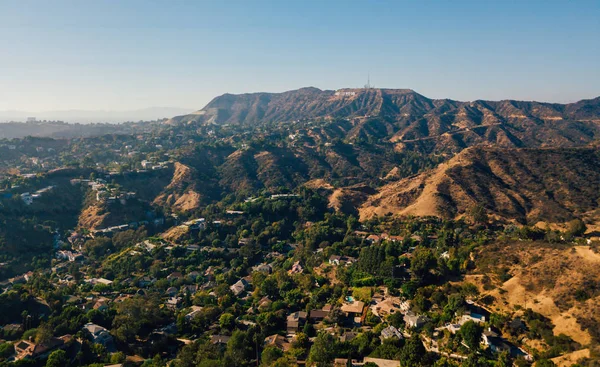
<point x="391" y="104"/>
<point x="411" y="120"/>
<point x="98" y="116"/>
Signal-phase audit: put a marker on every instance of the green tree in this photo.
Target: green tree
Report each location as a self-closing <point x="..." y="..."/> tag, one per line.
<point x="58" y="358"/>
<point x="413" y="351"/>
<point x="240" y="349"/>
<point x="118" y="357"/>
<point x="322" y="352"/>
<point x="43" y="334"/>
<point x="478" y="214"/>
<point x="471" y="334"/>
<point x="269" y="355"/>
<point x="6" y="350"/>
<point x="227" y="321"/>
<point x="422" y="262"/>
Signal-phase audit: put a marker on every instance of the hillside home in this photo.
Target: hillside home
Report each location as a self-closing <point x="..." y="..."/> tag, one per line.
<point x="239" y="287"/>
<point x="98" y="334"/>
<point x="354" y="311"/>
<point x="296" y="321"/>
<point x="337" y="260"/>
<point x="413" y="320"/>
<point x="277" y="341"/>
<point x="390" y="332"/>
<point x="27" y="349"/>
<point x="219" y="339"/>
<point x="296" y="268"/>
<point x="319" y="315"/>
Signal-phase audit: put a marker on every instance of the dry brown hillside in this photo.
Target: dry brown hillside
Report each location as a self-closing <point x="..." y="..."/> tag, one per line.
<point x="528" y="185"/>
<point x="557" y="281"/>
<point x="180" y="194"/>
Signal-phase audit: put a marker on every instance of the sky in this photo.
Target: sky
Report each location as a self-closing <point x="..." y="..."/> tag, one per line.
<point x="130" y="54"/>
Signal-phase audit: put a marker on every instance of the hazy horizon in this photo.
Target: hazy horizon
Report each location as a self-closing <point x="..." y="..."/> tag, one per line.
<point x="70" y="55"/>
<point x="95" y="116"/>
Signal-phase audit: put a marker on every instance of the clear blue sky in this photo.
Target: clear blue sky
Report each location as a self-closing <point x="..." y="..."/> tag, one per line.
<point x="133" y="54"/>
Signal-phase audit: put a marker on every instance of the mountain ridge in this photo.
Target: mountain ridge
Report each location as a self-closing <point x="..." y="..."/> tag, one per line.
<point x="552" y="185"/>
<point x="268" y="107"/>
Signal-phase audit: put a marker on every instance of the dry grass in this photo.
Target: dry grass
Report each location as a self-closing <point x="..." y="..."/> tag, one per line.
<point x="547" y="280"/>
<point x="570" y="359"/>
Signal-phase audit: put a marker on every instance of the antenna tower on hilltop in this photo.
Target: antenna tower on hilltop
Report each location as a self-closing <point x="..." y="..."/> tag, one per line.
<point x="368" y="85"/>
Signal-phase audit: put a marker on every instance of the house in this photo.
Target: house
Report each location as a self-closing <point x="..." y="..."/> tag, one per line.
<point x="413" y="320"/>
<point x="173" y="303"/>
<point x="390" y="332"/>
<point x="69" y="255"/>
<point x="193" y="275"/>
<point x="27" y="198"/>
<point x="348" y="336"/>
<point x="145" y="281"/>
<point x="296" y="268"/>
<point x="263" y="304"/>
<point x="296" y="321"/>
<point x="382" y="362"/>
<point x="196" y="224"/>
<point x="386" y="306"/>
<point x="219" y="339"/>
<point x="337" y="260"/>
<point x="189" y="288"/>
<point x="343" y="362"/>
<point x="95" y="281"/>
<point x="195" y="310"/>
<point x="191" y="248"/>
<point x="453" y="328"/>
<point x="28" y="349"/>
<point x="171" y="291"/>
<point x="239" y="287"/>
<point x="354" y="310"/>
<point x="101" y="304"/>
<point x="319" y="315"/>
<point x="494" y="341"/>
<point x="277" y="341"/>
<point x="210" y="273"/>
<point x="174" y="275"/>
<point x="98" y="334"/>
<point x="263" y="268"/>
<point x="373" y="238"/>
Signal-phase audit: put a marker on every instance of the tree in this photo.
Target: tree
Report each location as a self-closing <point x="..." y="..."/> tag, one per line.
<point x="422" y="262"/>
<point x="413" y="351"/>
<point x="322" y="352"/>
<point x="269" y="355"/>
<point x="504" y="360"/>
<point x="227" y="321"/>
<point x="118" y="357"/>
<point x="471" y="334"/>
<point x="478" y="214"/>
<point x="6" y="350"/>
<point x="43" y="334"/>
<point x="576" y="227"/>
<point x="58" y="358"/>
<point x="240" y="349"/>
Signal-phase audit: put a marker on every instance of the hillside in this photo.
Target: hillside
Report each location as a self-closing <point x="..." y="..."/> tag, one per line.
<point x="556" y="281"/>
<point x="411" y="120"/>
<point x="528" y="185"/>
